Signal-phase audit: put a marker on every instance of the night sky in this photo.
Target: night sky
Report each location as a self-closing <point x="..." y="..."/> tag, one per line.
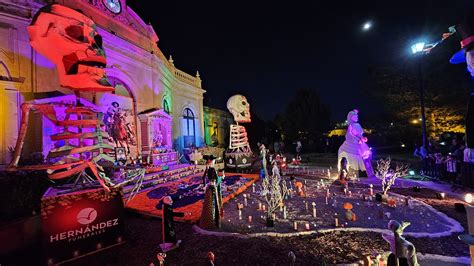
<point x="267" y="50"/>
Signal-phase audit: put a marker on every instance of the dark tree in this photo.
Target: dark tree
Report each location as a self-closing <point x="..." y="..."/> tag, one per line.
<point x="306" y="118"/>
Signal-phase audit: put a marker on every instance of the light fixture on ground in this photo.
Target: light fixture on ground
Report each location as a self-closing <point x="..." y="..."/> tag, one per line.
<point x="468" y="198"/>
<point x="440" y="195"/>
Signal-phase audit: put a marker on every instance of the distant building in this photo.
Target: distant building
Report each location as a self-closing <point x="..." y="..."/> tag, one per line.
<point x="216" y="127"/>
<point x="142" y="76"/>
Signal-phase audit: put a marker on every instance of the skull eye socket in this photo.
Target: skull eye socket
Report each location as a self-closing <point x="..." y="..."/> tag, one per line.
<point x="98" y="41"/>
<point x="244" y="103"/>
<point x="76" y="33"/>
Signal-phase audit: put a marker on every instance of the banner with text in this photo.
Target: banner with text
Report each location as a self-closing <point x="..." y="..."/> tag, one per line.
<point x="79" y="223"/>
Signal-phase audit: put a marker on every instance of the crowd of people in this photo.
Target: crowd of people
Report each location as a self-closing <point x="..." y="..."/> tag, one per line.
<point x="445" y="163"/>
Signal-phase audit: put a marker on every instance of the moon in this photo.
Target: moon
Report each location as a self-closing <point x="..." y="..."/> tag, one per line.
<point x="367" y="25"/>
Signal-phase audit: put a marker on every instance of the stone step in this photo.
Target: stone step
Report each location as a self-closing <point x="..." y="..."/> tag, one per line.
<point x="162" y="180"/>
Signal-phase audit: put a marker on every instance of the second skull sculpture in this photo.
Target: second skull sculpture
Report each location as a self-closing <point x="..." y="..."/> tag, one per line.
<point x="239" y="107"/>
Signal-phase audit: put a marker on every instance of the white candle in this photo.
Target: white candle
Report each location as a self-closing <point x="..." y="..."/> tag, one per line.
<point x="250" y="219"/>
<point x="240" y="214"/>
<point x="284" y="212"/>
<point x="371" y="190"/>
<point x="295" y="226"/>
<point x="259" y="206"/>
<point x="327" y="200"/>
<point x="314" y="209"/>
<point x="245" y="199"/>
<point x="263" y="207"/>
<point x="336" y="221"/>
<point x="307" y="226"/>
<point x="253" y="187"/>
<point x="350" y="193"/>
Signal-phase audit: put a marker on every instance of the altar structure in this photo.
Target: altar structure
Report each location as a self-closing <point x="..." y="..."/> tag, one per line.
<point x="143" y="79"/>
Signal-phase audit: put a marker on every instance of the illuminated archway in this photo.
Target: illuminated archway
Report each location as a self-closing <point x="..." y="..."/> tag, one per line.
<point x="189" y="128"/>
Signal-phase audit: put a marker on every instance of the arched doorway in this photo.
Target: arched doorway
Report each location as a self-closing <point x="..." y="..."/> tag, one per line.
<point x="120" y="118"/>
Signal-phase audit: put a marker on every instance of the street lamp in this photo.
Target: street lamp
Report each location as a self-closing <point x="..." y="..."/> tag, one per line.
<point x="418" y="50"/>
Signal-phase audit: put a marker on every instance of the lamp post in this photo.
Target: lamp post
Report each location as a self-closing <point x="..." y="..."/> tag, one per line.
<point x="417" y="49"/>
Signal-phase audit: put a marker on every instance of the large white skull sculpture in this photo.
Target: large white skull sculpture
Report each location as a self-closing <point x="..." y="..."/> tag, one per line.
<point x="70" y="40"/>
<point x="239" y="107"/>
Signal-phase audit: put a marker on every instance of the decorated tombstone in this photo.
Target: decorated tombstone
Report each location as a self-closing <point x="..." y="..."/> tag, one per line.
<point x="238" y="155"/>
<point x="354" y="148"/>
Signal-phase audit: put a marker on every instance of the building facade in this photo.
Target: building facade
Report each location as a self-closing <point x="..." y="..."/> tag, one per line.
<point x="216" y="127"/>
<point x="142" y="76"/>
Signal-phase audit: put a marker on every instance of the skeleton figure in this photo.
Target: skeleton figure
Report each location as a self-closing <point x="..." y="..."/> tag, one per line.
<point x="240" y="109"/>
<point x="70" y="40"/>
<point x="399" y="246"/>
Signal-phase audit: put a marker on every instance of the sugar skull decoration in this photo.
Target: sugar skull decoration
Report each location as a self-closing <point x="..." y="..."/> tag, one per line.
<point x="239" y="107"/>
<point x="70" y="40"/>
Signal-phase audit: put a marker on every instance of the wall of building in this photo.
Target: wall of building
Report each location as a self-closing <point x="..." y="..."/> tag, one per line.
<point x="133" y="57"/>
<point x="217" y="126"/>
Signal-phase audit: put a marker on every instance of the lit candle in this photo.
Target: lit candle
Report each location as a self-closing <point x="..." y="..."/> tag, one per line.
<point x="245" y="199"/>
<point x="253" y="187"/>
<point x="259" y="206"/>
<point x="284" y="212"/>
<point x="295" y="226"/>
<point x="307" y="226"/>
<point x="336" y="220"/>
<point x="250" y="219"/>
<point x="371" y="190"/>
<point x="314" y="209"/>
<point x="240" y="214"/>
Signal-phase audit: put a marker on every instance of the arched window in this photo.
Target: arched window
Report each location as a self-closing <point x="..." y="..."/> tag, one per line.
<point x="166" y="106"/>
<point x="120" y="87"/>
<point x="189" y="128"/>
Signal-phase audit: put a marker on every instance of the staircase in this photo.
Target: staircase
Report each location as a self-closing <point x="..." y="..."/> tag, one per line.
<point x="167" y="174"/>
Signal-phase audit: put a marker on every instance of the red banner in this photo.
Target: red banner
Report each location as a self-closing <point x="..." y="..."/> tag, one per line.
<point x="76" y="224"/>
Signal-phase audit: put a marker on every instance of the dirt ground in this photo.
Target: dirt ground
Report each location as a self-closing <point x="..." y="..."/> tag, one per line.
<point x="143" y="236"/>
